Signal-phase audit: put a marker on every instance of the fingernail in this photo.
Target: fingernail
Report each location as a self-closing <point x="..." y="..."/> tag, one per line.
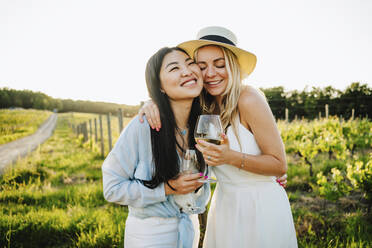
<point x="157" y="129"/>
<point x="205" y="177"/>
<point x="201" y="174"/>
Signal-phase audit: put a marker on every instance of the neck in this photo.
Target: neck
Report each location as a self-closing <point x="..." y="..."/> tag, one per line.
<point x="218" y="99"/>
<point x="181" y="111"/>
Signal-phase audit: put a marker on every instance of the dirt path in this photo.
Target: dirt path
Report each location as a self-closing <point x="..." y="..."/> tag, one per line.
<point x="10" y="152"/>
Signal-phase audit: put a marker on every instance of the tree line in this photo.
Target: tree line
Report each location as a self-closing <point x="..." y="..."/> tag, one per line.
<point x="306" y="103"/>
<point x="10" y="98"/>
<point x="309" y="102"/>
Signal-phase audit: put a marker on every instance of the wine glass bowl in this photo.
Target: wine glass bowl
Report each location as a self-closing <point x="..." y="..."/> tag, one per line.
<point x="189" y="162"/>
<point x="209" y="128"/>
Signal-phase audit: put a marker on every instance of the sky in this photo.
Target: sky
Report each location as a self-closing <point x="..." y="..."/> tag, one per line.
<point x="97" y="49"/>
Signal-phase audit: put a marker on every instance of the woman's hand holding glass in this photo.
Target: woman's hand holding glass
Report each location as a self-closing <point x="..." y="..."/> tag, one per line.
<point x="213" y="154"/>
<point x="189" y="166"/>
<point x="210" y="139"/>
<point x="189" y="178"/>
<point x="208" y="131"/>
<point x="185" y="183"/>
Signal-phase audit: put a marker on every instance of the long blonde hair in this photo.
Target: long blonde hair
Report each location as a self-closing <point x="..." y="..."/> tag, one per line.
<point x="230" y="97"/>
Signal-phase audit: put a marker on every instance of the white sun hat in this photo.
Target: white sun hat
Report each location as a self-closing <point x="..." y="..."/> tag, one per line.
<point x="222" y="37"/>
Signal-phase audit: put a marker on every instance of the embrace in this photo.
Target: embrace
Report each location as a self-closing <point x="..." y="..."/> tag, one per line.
<point x="146" y="168"/>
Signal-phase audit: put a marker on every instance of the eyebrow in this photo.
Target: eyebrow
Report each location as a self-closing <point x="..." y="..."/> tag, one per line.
<point x="214" y="61"/>
<point x="218" y="59"/>
<point x="175" y="63"/>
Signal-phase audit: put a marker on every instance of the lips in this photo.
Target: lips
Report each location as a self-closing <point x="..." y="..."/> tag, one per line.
<point x="213" y="83"/>
<point x="189" y="82"/>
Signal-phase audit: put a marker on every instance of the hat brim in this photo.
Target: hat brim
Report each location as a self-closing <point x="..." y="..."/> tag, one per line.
<point x="247" y="60"/>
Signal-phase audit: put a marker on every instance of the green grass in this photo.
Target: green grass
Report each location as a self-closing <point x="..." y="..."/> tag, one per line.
<point x="53" y="198"/>
<point x="15" y="124"/>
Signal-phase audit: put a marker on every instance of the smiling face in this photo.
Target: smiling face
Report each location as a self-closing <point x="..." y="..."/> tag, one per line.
<point x="180" y="76"/>
<point x="212" y="63"/>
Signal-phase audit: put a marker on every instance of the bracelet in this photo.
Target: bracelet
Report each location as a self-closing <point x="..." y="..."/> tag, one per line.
<point x="243" y="160"/>
<point x="171" y="186"/>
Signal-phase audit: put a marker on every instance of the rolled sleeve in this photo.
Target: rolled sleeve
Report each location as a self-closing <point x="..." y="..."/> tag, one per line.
<point x="118" y="170"/>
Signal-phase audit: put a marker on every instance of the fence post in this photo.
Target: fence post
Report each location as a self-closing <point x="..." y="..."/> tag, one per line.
<point x="320" y="115"/>
<point x="286" y="114"/>
<point x="326" y="111"/>
<point x="85" y="131"/>
<point x="352" y="114"/>
<point x="95" y="129"/>
<point x="120" y="118"/>
<point x="90" y="130"/>
<point x="101" y="132"/>
<point x="78" y="130"/>
<point x="109" y="131"/>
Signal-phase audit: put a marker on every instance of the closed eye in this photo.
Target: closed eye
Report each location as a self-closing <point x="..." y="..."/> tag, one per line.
<point x="174" y="68"/>
<point x="219" y="63"/>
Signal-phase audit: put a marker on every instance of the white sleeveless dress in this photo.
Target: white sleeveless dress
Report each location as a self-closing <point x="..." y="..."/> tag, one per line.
<point x="247" y="209"/>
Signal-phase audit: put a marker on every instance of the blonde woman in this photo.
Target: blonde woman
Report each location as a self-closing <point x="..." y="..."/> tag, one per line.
<point x="248" y="208"/>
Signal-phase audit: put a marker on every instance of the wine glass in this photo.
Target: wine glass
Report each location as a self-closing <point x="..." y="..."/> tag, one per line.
<point x="187" y="202"/>
<point x="209" y="128"/>
<point x="189" y="162"/>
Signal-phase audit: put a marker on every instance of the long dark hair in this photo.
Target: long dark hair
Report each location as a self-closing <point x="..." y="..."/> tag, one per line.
<point x="164" y="142"/>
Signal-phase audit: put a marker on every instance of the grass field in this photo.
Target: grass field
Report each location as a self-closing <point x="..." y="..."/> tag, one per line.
<point x="18" y="123"/>
<point x="53" y="198"/>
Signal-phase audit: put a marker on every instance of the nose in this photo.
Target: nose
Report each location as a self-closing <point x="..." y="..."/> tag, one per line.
<point x="186" y="71"/>
<point x="210" y="72"/>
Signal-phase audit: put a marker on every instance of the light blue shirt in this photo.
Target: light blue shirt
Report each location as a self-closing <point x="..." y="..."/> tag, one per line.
<point x="131" y="159"/>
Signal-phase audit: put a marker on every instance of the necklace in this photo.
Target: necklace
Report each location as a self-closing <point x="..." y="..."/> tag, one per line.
<point x="183" y="132"/>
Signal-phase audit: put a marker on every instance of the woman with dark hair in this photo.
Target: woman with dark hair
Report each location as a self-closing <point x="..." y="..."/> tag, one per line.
<point x="143" y="169"/>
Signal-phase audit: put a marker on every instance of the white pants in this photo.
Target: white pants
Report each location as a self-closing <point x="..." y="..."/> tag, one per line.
<point x="156" y="232"/>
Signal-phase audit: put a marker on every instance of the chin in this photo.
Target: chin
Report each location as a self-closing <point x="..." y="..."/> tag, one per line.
<point x="215" y="92"/>
<point x="192" y="95"/>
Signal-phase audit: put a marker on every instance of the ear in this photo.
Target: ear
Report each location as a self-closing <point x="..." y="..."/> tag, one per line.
<point x="162" y="91"/>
